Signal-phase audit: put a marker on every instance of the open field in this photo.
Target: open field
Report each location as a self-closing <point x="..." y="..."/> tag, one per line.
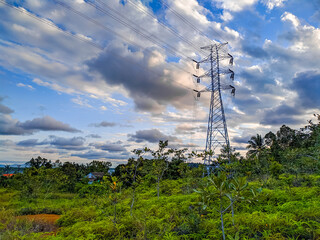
<point x="281" y="211"/>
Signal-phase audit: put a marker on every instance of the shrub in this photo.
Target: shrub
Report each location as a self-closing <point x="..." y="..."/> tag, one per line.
<point x="77" y="215"/>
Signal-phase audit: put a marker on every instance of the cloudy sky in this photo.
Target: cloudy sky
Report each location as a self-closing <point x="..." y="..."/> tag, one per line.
<point x="93" y="80"/>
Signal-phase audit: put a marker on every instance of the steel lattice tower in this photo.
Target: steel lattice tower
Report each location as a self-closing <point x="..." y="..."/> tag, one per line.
<point x="217" y="132"/>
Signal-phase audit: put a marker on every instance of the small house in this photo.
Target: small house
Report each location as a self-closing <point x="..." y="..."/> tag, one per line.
<point x="95" y="176"/>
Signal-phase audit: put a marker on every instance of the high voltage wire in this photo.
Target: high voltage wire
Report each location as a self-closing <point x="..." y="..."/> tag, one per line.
<point x="114" y="14"/>
<point x="45" y="21"/>
<point x="109" y="29"/>
<point x="128" y="24"/>
<point x="187" y="22"/>
<point x="49" y="23"/>
<point x="172" y="30"/>
<point x="114" y="32"/>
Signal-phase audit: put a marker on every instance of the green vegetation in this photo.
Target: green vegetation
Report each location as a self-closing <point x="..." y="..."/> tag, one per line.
<point x="272" y="193"/>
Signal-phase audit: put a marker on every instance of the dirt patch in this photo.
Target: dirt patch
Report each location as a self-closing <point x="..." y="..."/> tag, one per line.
<point x="42" y="222"/>
<point x="49" y="218"/>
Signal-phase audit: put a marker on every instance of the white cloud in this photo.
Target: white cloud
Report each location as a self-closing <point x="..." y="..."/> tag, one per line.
<point x="82" y="102"/>
<point x="226" y="16"/>
<point x="25" y="86"/>
<point x="54" y="86"/>
<point x="273" y="3"/>
<point x="235" y="5"/>
<point x="60" y="61"/>
<point x="103" y="108"/>
<point x="191" y="8"/>
<point x="291" y="18"/>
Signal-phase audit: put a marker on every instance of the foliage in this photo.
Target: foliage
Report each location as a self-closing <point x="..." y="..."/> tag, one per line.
<point x="273" y="193"/>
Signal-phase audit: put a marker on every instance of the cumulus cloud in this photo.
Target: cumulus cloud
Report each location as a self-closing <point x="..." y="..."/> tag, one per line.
<point x="93" y="136"/>
<point x="4" y="109"/>
<point x="226" y="16"/>
<point x="110" y="147"/>
<point x="273" y="3"/>
<point x="287" y="16"/>
<point x="307" y="85"/>
<point x="241" y="139"/>
<point x="50" y="150"/>
<point x="104" y="124"/>
<point x="10" y="126"/>
<point x="28" y="143"/>
<point x="183" y="145"/>
<point x="280" y="85"/>
<point x="56" y="60"/>
<point x="46" y="123"/>
<point x="91" y="154"/>
<point x="269" y="76"/>
<point x="235" y="5"/>
<point x="152" y="136"/>
<point x="55" y="142"/>
<point x="6" y="143"/>
<point x="75" y="143"/>
<point x="187" y="128"/>
<point x="282" y="114"/>
<point x="151" y="87"/>
<point x="254" y="50"/>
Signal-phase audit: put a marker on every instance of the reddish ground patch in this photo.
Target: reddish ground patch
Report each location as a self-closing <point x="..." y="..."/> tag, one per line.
<point x="49" y="218"/>
<point x="42" y="222"/>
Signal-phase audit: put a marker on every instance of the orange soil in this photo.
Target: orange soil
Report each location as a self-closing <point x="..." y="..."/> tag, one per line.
<point x="50" y="218"/>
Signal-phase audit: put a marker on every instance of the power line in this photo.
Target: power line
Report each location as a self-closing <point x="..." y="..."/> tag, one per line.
<point x="110" y="30"/>
<point x="49" y="23"/>
<point x="137" y="29"/>
<point x="172" y="30"/>
<point x="45" y="21"/>
<point x="187" y="22"/>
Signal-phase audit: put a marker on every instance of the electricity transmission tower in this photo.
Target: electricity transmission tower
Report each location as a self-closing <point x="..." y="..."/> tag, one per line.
<point x="217" y="132"/>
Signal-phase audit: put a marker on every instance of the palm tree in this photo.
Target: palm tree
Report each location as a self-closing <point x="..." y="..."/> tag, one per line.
<point x="7" y="168"/>
<point x="256" y="145"/>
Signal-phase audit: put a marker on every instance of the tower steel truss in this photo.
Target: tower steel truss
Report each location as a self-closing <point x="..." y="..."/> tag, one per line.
<point x="217" y="132"/>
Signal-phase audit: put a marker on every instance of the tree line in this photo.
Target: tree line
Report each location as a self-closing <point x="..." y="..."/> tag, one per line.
<point x="288" y="151"/>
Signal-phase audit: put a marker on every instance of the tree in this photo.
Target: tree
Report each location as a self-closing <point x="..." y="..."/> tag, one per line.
<point x="216" y="188"/>
<point x="114" y="195"/>
<point x="98" y="166"/>
<point x="227" y="191"/>
<point x="7" y="168"/>
<point x="237" y="191"/>
<point x="256" y="146"/>
<point x="132" y="169"/>
<point x="39" y="162"/>
<point x="273" y="145"/>
<point x="178" y="158"/>
<point x="228" y="159"/>
<point x="160" y="162"/>
<point x="70" y="170"/>
<point x="288" y="137"/>
<point x="40" y="182"/>
<point x="312" y="130"/>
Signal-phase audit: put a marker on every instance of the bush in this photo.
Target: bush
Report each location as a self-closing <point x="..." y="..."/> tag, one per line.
<point x="32" y="211"/>
<point x="95" y="189"/>
<point x="77" y="215"/>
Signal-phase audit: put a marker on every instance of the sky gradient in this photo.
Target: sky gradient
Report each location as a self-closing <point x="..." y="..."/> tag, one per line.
<point x="93" y="80"/>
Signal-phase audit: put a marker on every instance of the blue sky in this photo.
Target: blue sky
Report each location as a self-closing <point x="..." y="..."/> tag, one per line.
<point x="87" y="86"/>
